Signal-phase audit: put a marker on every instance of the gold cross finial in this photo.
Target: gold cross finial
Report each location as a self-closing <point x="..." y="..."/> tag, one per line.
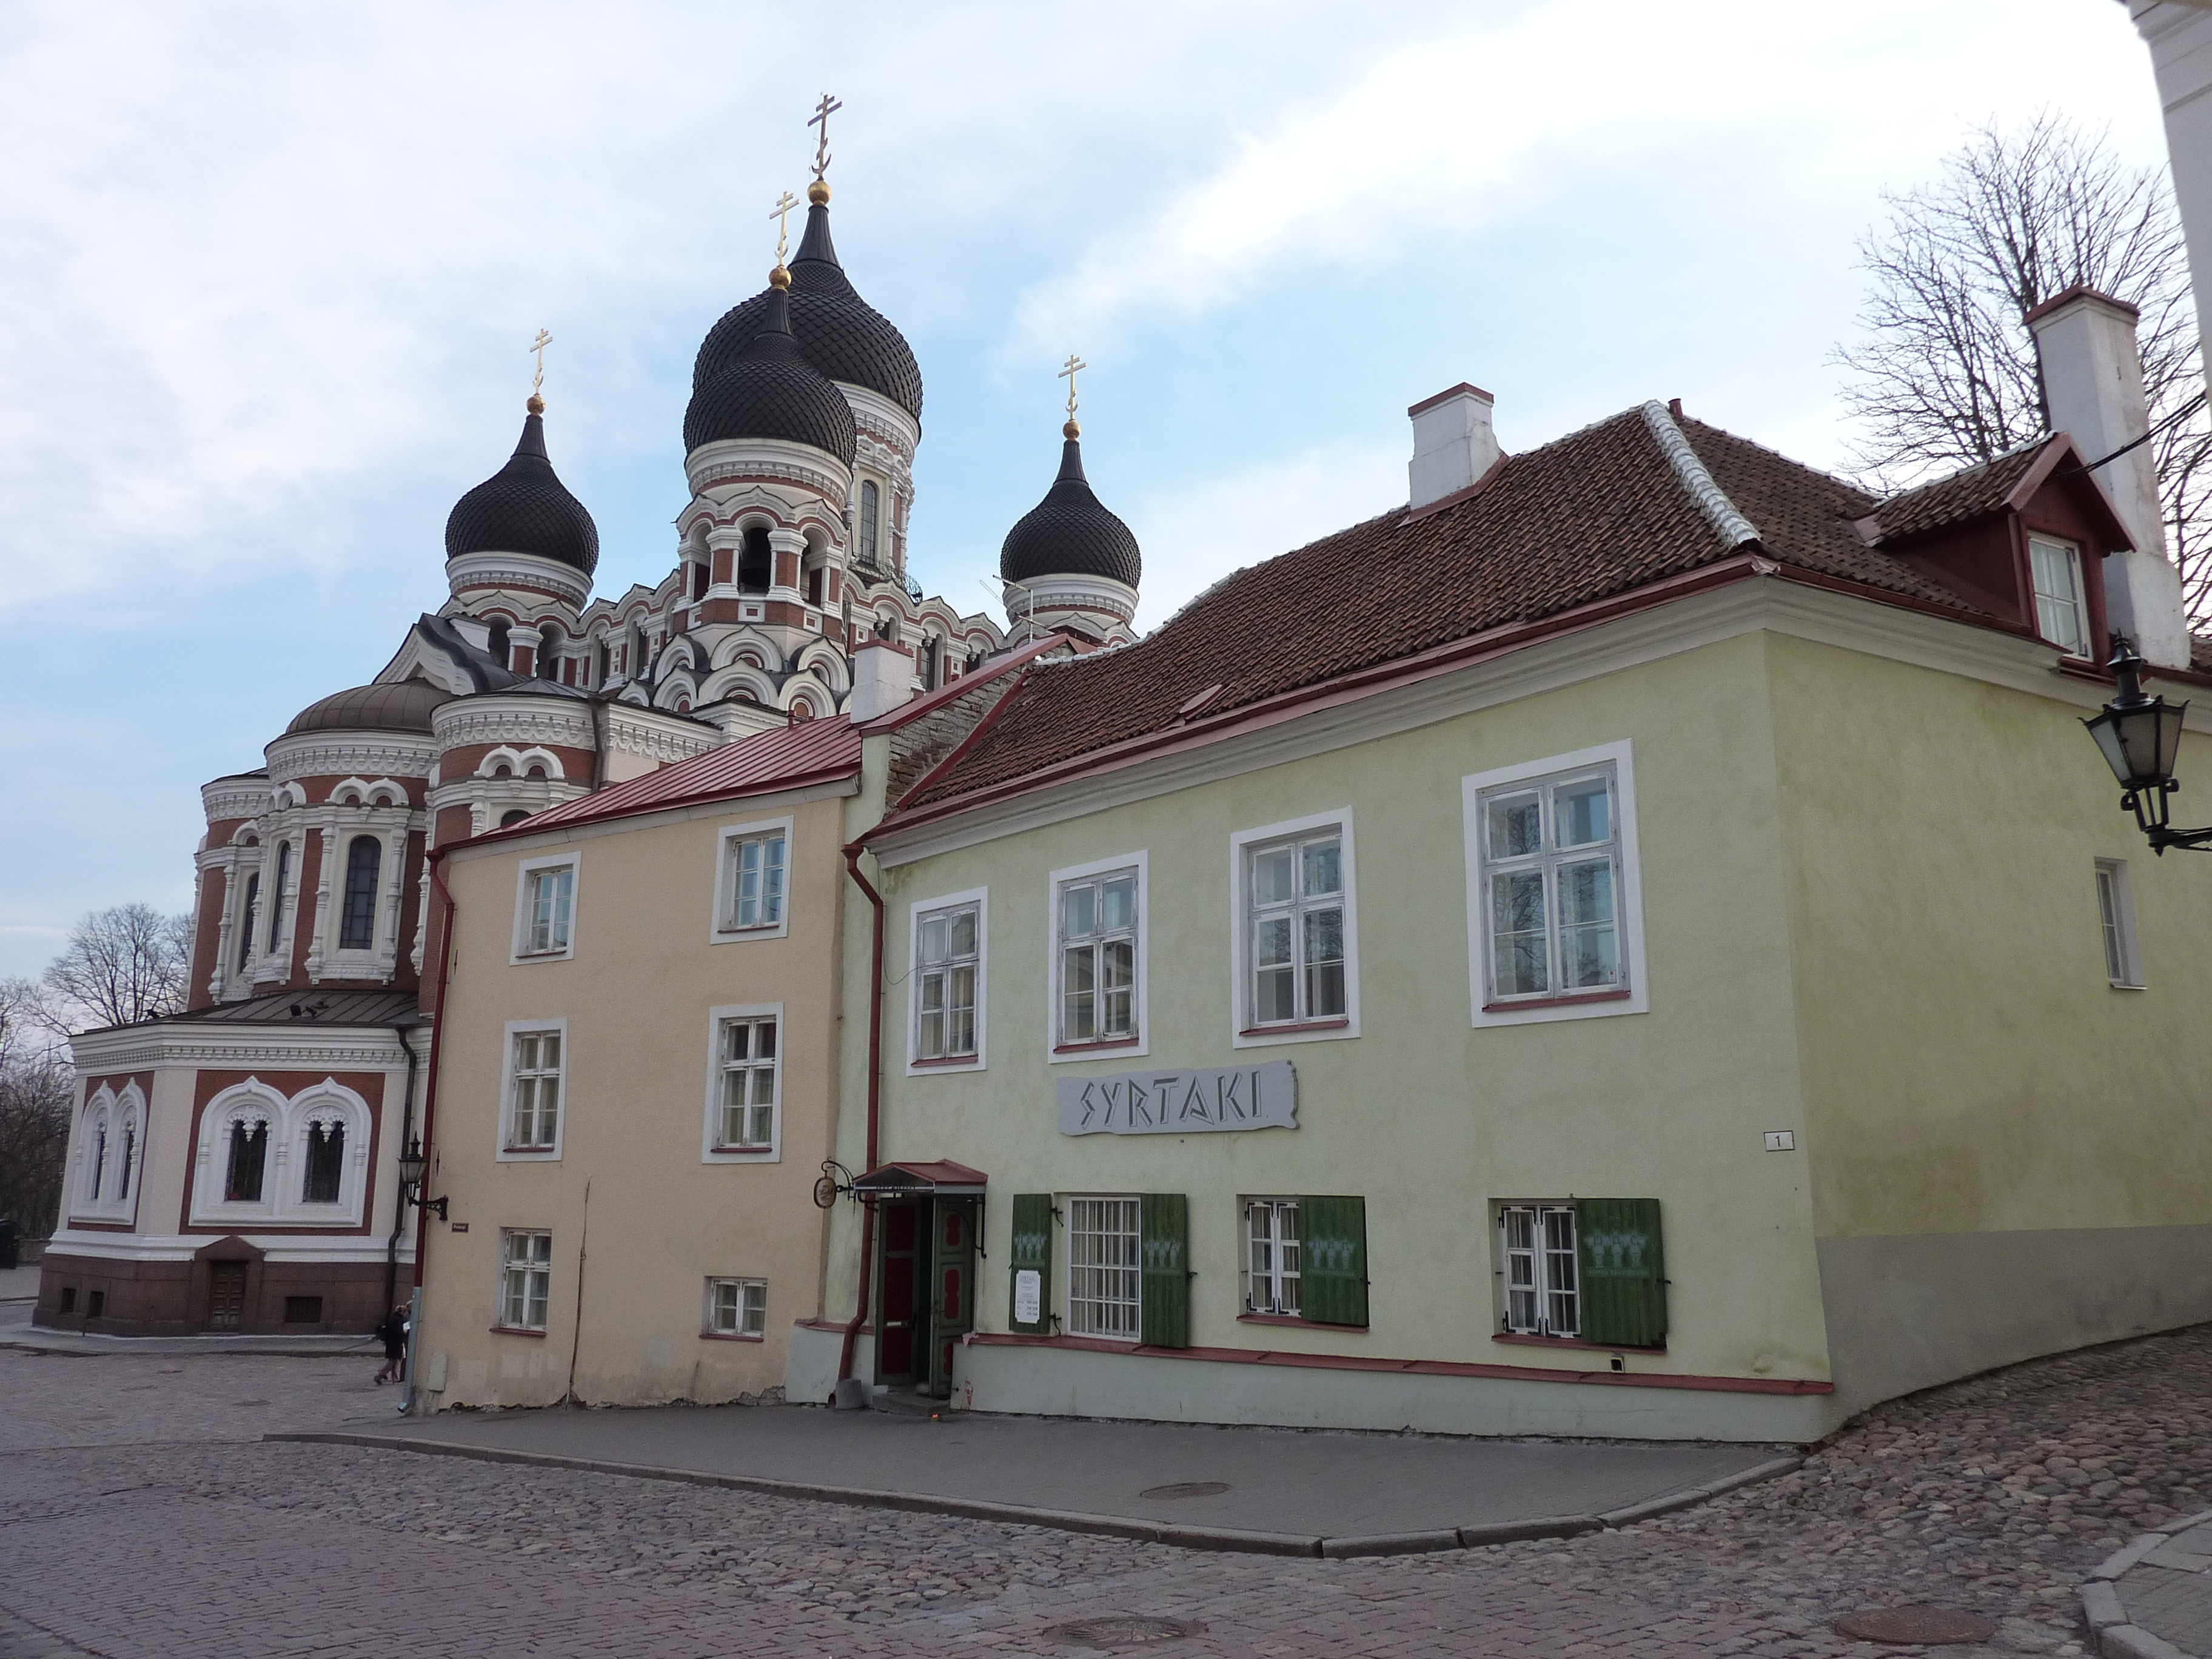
<point x="537" y="380"/>
<point x="822" y="111"/>
<point x="781" y="214"/>
<point x="1067" y="372"/>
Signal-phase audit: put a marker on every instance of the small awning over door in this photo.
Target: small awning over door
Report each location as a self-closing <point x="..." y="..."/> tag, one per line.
<point x="943" y="1179"/>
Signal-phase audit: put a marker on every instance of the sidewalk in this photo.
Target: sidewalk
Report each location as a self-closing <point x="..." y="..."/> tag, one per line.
<point x="16" y="1331"/>
<point x="2154" y="1600"/>
<point x="1278" y="1492"/>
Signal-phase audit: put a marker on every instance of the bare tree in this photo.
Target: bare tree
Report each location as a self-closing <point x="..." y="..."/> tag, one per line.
<point x="121" y="965"/>
<point x="36" y="1088"/>
<point x="1945" y="375"/>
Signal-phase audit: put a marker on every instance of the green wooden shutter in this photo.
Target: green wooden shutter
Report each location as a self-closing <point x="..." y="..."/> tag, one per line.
<point x="1030" y="1252"/>
<point x="1623" y="1271"/>
<point x="1333" y="1261"/>
<point x="1163" y="1241"/>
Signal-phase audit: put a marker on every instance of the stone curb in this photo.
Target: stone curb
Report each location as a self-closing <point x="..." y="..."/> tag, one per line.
<point x="66" y="1346"/>
<point x="2105" y="1611"/>
<point x="1151" y="1532"/>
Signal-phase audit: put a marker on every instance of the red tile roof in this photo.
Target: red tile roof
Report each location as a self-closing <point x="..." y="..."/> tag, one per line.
<point x="788" y="757"/>
<point x="1963" y="495"/>
<point x="1598" y="514"/>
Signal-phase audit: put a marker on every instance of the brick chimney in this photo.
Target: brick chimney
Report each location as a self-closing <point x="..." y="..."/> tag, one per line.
<point x="1453" y="443"/>
<point x="2092" y="383"/>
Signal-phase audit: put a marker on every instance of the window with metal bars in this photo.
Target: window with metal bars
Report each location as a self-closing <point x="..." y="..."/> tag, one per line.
<point x="534" y="1091"/>
<point x="746" y="1116"/>
<point x="1104" y="1267"/>
<point x="1542" y="1291"/>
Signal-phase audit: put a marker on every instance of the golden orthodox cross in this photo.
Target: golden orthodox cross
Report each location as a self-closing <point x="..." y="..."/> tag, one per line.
<point x="781" y="214"/>
<point x="1068" y="374"/>
<point x="538" y="345"/>
<point x="822" y="111"/>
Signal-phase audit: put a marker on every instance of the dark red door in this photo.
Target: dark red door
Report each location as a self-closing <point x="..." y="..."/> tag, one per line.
<point x="951" y="1286"/>
<point x="896" y="1338"/>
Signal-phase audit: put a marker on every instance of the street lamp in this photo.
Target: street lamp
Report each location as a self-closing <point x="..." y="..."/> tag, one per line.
<point x="413" y="1166"/>
<point x="2140" y="738"/>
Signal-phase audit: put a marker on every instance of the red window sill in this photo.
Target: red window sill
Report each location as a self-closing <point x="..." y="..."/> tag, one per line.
<point x="1294" y="1319"/>
<point x="730" y="1336"/>
<point x="951" y="1060"/>
<point x="761" y="927"/>
<point x="541" y="956"/>
<point x="1533" y="1341"/>
<point x="748" y="1151"/>
<point x="531" y="1151"/>
<point x="513" y="1330"/>
<point x="1299" y="1030"/>
<point x="1095" y="1048"/>
<point x="1555" y="1002"/>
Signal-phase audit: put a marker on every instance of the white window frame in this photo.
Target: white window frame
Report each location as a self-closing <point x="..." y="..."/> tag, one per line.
<point x="1134" y="1268"/>
<point x="916" y="913"/>
<point x="507" y="1263"/>
<point x="1542" y="1263"/>
<point x="1274" y="1209"/>
<point x="283" y="1169"/>
<point x="1118" y="1048"/>
<point x="523" y="871"/>
<point x="504" y="1151"/>
<point x="1628" y="902"/>
<point x="2116" y="919"/>
<point x="1242" y="1033"/>
<point x="710" y="1148"/>
<point x="2078" y="601"/>
<point x="741" y="1333"/>
<point x="721" y="926"/>
<point x="119" y="1175"/>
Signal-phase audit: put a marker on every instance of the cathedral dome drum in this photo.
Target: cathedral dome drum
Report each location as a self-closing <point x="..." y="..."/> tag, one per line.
<point x="838" y="332"/>
<point x="1070" y="533"/>
<point x="525" y="508"/>
<point x="769" y="390"/>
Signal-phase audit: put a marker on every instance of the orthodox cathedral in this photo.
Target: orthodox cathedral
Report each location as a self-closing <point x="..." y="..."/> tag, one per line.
<point x="238" y="1166"/>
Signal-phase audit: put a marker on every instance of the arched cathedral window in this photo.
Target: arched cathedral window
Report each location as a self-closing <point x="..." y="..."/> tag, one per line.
<point x="325" y="1171"/>
<point x="871" y="520"/>
<point x="249" y="914"/>
<point x="358" y="923"/>
<point x="280" y="893"/>
<point x="248" y="1161"/>
<point x="756" y="563"/>
<point x="497" y="645"/>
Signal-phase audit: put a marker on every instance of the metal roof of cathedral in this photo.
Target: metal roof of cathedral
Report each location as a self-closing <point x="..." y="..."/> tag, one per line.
<point x="392" y="706"/>
<point x="769" y="390"/>
<point x="1642" y="505"/>
<point x="326" y="1006"/>
<point x="525" y="508"/>
<point x="1070" y="533"/>
<point x="838" y="332"/>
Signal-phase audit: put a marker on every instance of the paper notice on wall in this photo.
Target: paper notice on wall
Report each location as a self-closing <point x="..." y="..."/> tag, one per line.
<point x="1029" y="1295"/>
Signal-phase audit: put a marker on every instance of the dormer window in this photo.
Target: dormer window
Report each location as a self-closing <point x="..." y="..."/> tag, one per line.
<point x="2061" y="614"/>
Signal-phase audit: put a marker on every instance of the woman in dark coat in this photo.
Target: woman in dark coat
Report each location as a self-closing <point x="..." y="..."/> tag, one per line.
<point x="393" y="1330"/>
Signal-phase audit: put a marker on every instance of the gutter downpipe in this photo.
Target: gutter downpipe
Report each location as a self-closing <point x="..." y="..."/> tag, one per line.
<point x="436" y="856"/>
<point x="875" y="1106"/>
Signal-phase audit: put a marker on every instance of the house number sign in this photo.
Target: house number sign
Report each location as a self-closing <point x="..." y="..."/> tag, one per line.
<point x="1170" y="1102"/>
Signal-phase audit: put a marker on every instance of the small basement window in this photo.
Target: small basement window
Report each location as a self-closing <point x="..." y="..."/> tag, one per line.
<point x="303" y="1310"/>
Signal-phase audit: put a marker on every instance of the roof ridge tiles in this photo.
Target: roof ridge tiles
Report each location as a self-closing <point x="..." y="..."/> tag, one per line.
<point x="1735" y="529"/>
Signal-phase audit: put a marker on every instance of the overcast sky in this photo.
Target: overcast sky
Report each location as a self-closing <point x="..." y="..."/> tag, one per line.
<point x="269" y="272"/>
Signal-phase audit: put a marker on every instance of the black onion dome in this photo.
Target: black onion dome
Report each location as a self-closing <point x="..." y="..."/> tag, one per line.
<point x="838" y="332"/>
<point x="770" y="391"/>
<point x="1070" y="533"/>
<point x="524" y="508"/>
<point x="395" y="706"/>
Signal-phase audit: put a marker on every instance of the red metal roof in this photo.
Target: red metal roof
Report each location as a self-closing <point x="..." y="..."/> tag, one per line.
<point x="943" y="1173"/>
<point x="813" y="751"/>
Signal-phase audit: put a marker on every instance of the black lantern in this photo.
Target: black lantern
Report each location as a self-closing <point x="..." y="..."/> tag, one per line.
<point x="413" y="1166"/>
<point x="2140" y="738"/>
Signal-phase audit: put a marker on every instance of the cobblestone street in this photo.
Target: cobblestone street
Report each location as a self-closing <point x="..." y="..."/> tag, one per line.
<point x="135" y="1520"/>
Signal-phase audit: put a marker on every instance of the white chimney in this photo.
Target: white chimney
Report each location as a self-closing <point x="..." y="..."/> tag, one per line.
<point x="883" y="679"/>
<point x="1453" y="443"/>
<point x="2093" y="382"/>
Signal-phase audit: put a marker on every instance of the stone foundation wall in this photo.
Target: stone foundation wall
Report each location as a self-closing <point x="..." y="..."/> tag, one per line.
<point x="172" y="1298"/>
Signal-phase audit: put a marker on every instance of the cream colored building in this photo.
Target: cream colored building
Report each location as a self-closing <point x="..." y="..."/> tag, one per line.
<point x="1679" y="968"/>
